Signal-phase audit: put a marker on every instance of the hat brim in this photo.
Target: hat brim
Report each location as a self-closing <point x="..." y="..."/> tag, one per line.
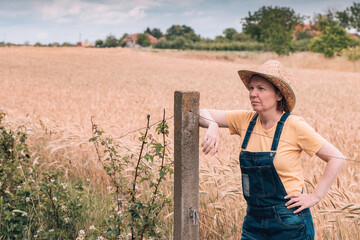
<point x="285" y="89"/>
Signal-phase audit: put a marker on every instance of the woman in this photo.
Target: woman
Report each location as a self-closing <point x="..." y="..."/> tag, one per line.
<point x="272" y="141"/>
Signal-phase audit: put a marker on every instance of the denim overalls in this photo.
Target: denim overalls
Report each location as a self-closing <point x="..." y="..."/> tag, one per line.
<point x="267" y="216"/>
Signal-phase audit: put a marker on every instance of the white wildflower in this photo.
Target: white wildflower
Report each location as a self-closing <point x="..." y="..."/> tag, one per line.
<point x="54" y="198"/>
<point x="27" y="199"/>
<point x="18" y="187"/>
<point x="81" y="235"/>
<point x="7" y="191"/>
<point x="36" y="162"/>
<point x="88" y="180"/>
<point x="92" y="227"/>
<point x="63" y="207"/>
<point x="35" y="236"/>
<point x="100" y="238"/>
<point x="52" y="180"/>
<point x="51" y="230"/>
<point x="119" y="213"/>
<point x="66" y="219"/>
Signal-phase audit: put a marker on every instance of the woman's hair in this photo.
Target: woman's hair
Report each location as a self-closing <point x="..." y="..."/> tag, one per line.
<point x="281" y="105"/>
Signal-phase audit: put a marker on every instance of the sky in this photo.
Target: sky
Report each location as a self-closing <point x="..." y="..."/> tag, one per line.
<point x="48" y="21"/>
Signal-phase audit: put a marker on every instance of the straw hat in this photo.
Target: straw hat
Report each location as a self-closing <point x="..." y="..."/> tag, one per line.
<point x="276" y="73"/>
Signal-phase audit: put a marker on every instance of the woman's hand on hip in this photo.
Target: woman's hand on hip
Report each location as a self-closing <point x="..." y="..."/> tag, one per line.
<point x="302" y="201"/>
<point x="211" y="139"/>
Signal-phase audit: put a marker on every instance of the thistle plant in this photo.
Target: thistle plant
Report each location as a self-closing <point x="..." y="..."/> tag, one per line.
<point x="138" y="197"/>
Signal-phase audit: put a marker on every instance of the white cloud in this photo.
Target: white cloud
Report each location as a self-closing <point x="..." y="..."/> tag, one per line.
<point x="65" y="11"/>
<point x="138" y="12"/>
<point x="193" y="13"/>
<point x="42" y="35"/>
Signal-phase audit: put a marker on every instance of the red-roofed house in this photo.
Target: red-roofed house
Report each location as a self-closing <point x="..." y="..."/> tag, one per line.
<point x="354" y="35"/>
<point x="305" y="28"/>
<point x="131" y="40"/>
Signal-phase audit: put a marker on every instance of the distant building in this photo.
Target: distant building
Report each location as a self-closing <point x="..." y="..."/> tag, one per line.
<point x="85" y="44"/>
<point x="132" y="39"/>
<point x="354" y="35"/>
<point x="310" y="28"/>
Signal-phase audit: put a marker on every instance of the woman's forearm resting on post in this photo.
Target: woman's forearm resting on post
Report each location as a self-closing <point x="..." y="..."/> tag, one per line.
<point x="211" y="119"/>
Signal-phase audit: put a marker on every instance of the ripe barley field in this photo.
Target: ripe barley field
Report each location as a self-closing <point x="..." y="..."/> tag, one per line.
<point x="54" y="92"/>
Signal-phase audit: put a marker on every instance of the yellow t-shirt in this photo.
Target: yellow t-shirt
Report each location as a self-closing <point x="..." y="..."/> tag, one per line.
<point x="296" y="135"/>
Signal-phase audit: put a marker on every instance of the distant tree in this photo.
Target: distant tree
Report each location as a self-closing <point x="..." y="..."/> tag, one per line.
<point x="184" y="31"/>
<point x="143" y="40"/>
<point x="156" y="32"/>
<point x="273" y="26"/>
<point x="37" y="44"/>
<point x="174" y="31"/>
<point x="110" y="41"/>
<point x="304" y="34"/>
<point x="66" y="44"/>
<point x="241" y="37"/>
<point x="179" y="42"/>
<point x="99" y="43"/>
<point x="331" y="41"/>
<point x="229" y="33"/>
<point x="220" y="39"/>
<point x="122" y="43"/>
<point x="147" y="30"/>
<point x="322" y="21"/>
<point x="350" y="18"/>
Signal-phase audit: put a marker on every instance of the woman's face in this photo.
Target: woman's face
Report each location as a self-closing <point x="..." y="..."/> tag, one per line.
<point x="262" y="94"/>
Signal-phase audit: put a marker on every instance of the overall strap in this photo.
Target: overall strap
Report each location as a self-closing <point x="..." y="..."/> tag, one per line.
<point x="278" y="131"/>
<point x="249" y="131"/>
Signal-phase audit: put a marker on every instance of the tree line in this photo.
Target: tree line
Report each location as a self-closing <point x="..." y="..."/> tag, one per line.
<point x="277" y="29"/>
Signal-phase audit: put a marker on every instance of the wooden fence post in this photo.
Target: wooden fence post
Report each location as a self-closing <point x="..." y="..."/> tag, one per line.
<point x="186" y="154"/>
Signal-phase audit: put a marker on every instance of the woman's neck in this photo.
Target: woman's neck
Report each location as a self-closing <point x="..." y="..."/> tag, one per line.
<point x="269" y="119"/>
